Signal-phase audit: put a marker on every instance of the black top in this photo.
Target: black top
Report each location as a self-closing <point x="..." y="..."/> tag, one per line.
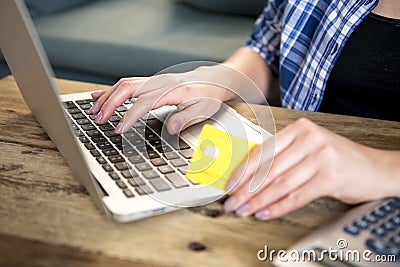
<point x="365" y="80"/>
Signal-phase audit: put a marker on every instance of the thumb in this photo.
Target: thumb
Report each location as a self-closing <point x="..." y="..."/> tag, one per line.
<point x="192" y="114"/>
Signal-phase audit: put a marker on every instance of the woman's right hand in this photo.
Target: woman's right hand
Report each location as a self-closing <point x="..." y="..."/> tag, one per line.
<point x="198" y="94"/>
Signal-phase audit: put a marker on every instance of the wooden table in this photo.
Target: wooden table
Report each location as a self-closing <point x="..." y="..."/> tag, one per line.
<point x="48" y="219"/>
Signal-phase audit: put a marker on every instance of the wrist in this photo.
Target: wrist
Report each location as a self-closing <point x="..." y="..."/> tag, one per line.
<point x="389" y="182"/>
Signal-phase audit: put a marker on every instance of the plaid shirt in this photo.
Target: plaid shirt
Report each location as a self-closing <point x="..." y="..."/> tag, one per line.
<point x="301" y="40"/>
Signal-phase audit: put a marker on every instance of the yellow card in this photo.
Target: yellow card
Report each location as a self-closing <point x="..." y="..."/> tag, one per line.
<point x="216" y="156"/>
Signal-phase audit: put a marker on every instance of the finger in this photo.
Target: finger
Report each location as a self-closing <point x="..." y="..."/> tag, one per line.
<point x="192" y="112"/>
<point x="96" y="95"/>
<point x="233" y="203"/>
<point x="280" y="187"/>
<point x="262" y="155"/>
<point x="302" y="147"/>
<point x="248" y="167"/>
<point x="124" y="82"/>
<point x="145" y="103"/>
<point x="299" y="153"/>
<point x="116" y="99"/>
<point x="308" y="192"/>
<point x="290" y="148"/>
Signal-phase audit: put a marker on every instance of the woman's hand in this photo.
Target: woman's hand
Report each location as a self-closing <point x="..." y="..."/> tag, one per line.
<point x="311" y="162"/>
<point x="198" y="94"/>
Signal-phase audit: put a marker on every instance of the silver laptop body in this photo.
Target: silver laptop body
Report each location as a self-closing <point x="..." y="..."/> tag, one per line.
<point x="27" y="60"/>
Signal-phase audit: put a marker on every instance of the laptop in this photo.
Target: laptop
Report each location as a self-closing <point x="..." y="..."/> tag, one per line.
<point x="129" y="177"/>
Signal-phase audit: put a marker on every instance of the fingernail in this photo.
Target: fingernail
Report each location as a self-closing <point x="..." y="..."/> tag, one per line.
<point x="230" y="204"/>
<point x="98" y="117"/>
<point x="175" y="127"/>
<point x="118" y="129"/>
<point x="231" y="184"/>
<point x="263" y="214"/>
<point x="94" y="107"/>
<point x="95" y="94"/>
<point x="242" y="211"/>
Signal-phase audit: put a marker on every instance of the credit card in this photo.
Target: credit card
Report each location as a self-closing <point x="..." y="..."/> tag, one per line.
<point x="216" y="156"/>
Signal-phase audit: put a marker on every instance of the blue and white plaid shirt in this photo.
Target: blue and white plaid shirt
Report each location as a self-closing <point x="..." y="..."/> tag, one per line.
<point x="301" y="41"/>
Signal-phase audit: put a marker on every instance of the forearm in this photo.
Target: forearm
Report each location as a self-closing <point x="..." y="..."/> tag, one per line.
<point x="253" y="66"/>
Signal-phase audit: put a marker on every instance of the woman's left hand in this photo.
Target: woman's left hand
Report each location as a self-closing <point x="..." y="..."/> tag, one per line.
<point x="311" y="162"/>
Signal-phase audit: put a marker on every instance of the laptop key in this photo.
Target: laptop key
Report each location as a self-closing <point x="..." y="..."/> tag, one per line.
<point x="156" y="143"/>
<point x="88" y="127"/>
<point x="121" y="109"/>
<point x="160" y="185"/>
<point x="106" y="127"/>
<point x="89" y="146"/>
<point x="138" y="143"/>
<point x="136" y="160"/>
<point x="92" y="133"/>
<point x="82" y="101"/>
<point x="151" y="155"/>
<point x="128" y="193"/>
<point x="104" y="145"/>
<point x="84" y="139"/>
<point x="98" y="139"/>
<point x="143" y="190"/>
<point x="136" y="182"/>
<point x="171" y="155"/>
<point x="139" y="124"/>
<point x="121" y="166"/>
<point x="78" y="116"/>
<point x="101" y="160"/>
<point x="164" y="149"/>
<point x="158" y="162"/>
<point x="143" y="166"/>
<point x="116" y="159"/>
<point x="68" y="104"/>
<point x="130" y="153"/>
<point x="121" y="184"/>
<point x="114" y="176"/>
<point x="129" y="174"/>
<point x="107" y="168"/>
<point x="150" y="174"/>
<point x="116" y="139"/>
<point x="85" y="106"/>
<point x="176" y="180"/>
<point x="114" y="118"/>
<point x="95" y="153"/>
<point x="110" y="152"/>
<point x="83" y="121"/>
<point x="73" y="110"/>
<point x="110" y="133"/>
<point x="183" y="144"/>
<point x="78" y="133"/>
<point x="165" y="169"/>
<point x="187" y="153"/>
<point x="178" y="162"/>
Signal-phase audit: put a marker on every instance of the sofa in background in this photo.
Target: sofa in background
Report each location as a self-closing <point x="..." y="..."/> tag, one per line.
<point x="103" y="40"/>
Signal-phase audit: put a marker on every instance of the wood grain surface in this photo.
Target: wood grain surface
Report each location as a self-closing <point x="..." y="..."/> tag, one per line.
<point x="48" y="219"/>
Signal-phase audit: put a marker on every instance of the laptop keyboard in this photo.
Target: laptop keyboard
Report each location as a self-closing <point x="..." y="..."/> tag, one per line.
<point x="143" y="161"/>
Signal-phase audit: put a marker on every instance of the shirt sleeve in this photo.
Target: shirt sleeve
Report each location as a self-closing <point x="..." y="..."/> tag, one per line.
<point x="266" y="36"/>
